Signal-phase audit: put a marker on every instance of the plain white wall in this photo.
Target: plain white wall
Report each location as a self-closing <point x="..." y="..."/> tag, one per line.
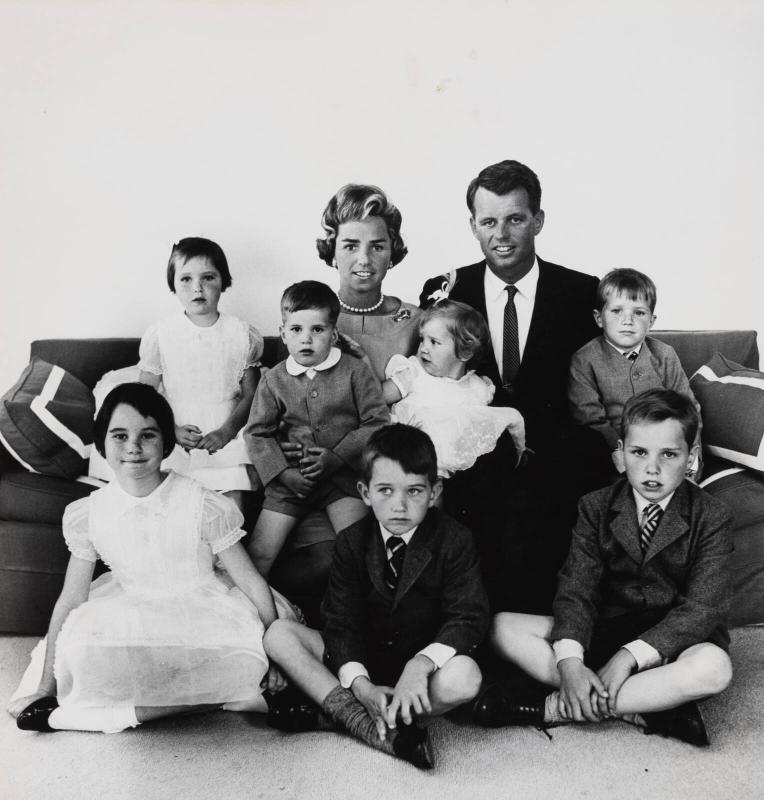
<point x="126" y="126"/>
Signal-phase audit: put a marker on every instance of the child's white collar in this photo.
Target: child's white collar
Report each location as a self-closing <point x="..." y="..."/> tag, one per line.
<point x="293" y="368"/>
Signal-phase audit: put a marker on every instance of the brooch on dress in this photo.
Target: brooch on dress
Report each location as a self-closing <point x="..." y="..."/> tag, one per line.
<point x="445" y="289"/>
<point x="403" y="314"/>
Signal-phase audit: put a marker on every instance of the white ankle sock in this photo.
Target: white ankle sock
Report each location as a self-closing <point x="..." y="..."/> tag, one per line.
<point x="108" y="719"/>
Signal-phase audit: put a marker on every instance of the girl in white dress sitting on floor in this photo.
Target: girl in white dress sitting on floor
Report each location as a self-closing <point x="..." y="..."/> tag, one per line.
<point x="161" y="633"/>
<point x="207" y="363"/>
<point x="434" y="391"/>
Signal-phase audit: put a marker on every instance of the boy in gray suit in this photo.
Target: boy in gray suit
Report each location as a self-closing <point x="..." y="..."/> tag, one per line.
<point x="322" y="399"/>
<point x="624" y="361"/>
<point x="638" y="631"/>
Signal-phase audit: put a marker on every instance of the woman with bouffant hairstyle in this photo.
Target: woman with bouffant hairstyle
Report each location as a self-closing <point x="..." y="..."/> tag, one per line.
<point x="362" y="242"/>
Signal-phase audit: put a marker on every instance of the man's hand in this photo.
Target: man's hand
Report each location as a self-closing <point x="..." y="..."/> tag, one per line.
<point x="214" y="440"/>
<point x="319" y="463"/>
<point x="579" y="687"/>
<point x="374" y="699"/>
<point x="411" y="693"/>
<point x="296" y="482"/>
<point x="613" y="675"/>
<point x="188" y="436"/>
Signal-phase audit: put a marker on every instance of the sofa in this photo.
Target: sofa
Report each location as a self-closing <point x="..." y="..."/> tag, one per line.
<point x="33" y="555"/>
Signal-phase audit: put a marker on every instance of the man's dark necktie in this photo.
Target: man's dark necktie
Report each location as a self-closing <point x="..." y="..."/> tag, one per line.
<point x="511" y="343"/>
<point x="651" y="518"/>
<point x="396" y="550"/>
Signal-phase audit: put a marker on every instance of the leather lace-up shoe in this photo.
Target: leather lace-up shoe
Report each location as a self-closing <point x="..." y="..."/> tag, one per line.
<point x="412" y="744"/>
<point x="291" y="711"/>
<point x="495" y="708"/>
<point x="35" y="716"/>
<point x="684" y="722"/>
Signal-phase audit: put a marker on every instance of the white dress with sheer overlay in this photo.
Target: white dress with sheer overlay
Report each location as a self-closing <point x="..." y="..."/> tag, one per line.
<point x="454" y="413"/>
<point x="201" y="370"/>
<point x="162" y="628"/>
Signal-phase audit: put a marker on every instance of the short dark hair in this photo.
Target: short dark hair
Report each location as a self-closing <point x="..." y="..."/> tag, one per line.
<point x="305" y="295"/>
<point x="467" y="326"/>
<point x="629" y="282"/>
<point x="503" y="178"/>
<point x="352" y="203"/>
<point x="410" y="447"/>
<point x="147" y="401"/>
<point x="657" y="405"/>
<point x="197" y="247"/>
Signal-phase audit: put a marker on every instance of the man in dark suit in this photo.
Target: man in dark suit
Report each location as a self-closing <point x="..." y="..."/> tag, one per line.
<point x="538" y="315"/>
<point x="404" y="611"/>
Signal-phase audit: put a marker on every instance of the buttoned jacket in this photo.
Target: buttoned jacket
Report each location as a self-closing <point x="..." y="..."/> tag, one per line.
<point x="439" y="596"/>
<point x="684" y="573"/>
<point x="602" y="379"/>
<point x="339" y="408"/>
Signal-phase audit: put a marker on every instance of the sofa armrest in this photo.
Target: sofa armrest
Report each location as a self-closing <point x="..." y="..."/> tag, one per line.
<point x="696" y="348"/>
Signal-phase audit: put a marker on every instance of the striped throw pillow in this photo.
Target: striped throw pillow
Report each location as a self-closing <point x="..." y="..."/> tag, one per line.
<point x="731" y="398"/>
<point x="46" y="421"/>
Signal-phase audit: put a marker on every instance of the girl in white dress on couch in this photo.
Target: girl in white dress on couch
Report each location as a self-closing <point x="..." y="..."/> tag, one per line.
<point x="160" y="633"/>
<point x="208" y="366"/>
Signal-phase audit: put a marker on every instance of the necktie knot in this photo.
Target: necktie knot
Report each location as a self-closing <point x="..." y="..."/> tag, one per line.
<point x="633" y="355"/>
<point x="511" y="290"/>
<point x="396" y="550"/>
<point x="651" y="518"/>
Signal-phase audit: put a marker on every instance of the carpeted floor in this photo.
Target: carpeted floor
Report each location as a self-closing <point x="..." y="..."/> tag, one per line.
<point x="230" y="756"/>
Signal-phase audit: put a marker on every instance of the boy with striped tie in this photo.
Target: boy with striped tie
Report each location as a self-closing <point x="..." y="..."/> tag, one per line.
<point x="638" y="631"/>
<point x="404" y="611"/>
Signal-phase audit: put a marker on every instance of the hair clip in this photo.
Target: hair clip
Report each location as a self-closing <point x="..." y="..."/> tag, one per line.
<point x="445" y="289"/>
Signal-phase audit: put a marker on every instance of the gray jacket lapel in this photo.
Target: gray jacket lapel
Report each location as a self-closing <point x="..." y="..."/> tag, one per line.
<point x="673" y="523"/>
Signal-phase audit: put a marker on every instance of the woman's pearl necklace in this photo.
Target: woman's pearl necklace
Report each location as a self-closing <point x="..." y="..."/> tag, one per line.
<point x="346" y="307"/>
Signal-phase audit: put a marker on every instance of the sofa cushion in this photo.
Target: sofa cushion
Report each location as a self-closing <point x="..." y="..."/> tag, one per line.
<point x="27" y="497"/>
<point x="695" y="348"/>
<point x="743" y="491"/>
<point x="731" y="398"/>
<point x="46" y="421"/>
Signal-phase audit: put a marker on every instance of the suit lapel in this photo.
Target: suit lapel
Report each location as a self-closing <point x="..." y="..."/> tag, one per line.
<point x="418" y="556"/>
<point x="376" y="559"/>
<point x="673" y="524"/>
<point x="624" y="524"/>
<point x="543" y="316"/>
<point x="469" y="287"/>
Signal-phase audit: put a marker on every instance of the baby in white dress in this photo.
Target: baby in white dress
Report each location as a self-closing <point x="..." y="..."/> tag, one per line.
<point x="435" y="391"/>
<point x="207" y="364"/>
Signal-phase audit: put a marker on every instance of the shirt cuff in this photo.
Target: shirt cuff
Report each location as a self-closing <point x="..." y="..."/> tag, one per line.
<point x="438" y="653"/>
<point x="645" y="654"/>
<point x="567" y="648"/>
<point x="348" y="672"/>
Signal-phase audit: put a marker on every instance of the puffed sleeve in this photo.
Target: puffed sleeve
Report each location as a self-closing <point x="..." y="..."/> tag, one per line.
<point x="486" y="389"/>
<point x="255" y="347"/>
<point x="221" y="521"/>
<point x="76" y="524"/>
<point x="400" y="371"/>
<point x="150" y="356"/>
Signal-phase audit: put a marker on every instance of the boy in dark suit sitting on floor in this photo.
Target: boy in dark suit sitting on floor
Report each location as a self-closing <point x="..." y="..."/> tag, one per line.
<point x="639" y="617"/>
<point x="404" y="610"/>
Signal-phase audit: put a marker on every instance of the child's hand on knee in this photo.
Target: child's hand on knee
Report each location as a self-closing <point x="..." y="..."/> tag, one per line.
<point x="580" y="691"/>
<point x="374" y="699"/>
<point x="296" y="482"/>
<point x="411" y="693"/>
<point x="319" y="463"/>
<point x="614" y="674"/>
